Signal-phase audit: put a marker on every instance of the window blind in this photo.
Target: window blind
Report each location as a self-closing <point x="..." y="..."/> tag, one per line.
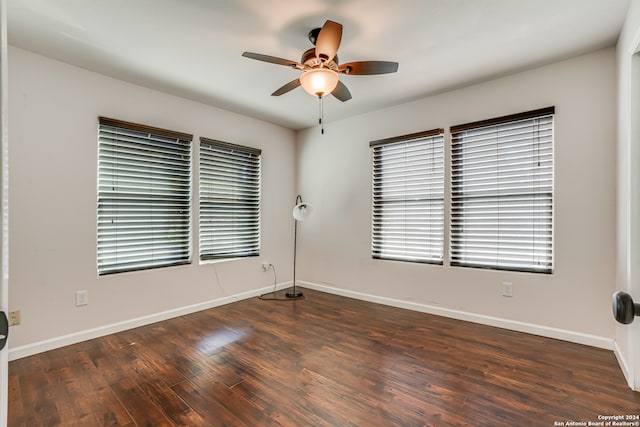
<point x="229" y="200"/>
<point x="408" y="197"/>
<point x="144" y="197"/>
<point x="502" y="193"/>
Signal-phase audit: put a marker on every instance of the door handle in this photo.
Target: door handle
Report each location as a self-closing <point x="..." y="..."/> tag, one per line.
<point x="624" y="309"/>
<point x="4" y="329"/>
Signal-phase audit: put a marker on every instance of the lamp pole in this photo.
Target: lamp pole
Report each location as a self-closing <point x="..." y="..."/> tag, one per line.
<point x="295" y="293"/>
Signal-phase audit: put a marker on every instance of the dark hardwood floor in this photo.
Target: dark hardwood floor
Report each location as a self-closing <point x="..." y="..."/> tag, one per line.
<point x="322" y="361"/>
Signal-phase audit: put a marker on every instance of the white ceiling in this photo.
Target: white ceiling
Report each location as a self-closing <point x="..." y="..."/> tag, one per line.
<point x="192" y="48"/>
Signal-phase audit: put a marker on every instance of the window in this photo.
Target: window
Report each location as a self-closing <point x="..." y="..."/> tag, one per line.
<point x="408" y="197"/>
<point x="502" y="193"/>
<point x="144" y="197"/>
<point x="229" y="200"/>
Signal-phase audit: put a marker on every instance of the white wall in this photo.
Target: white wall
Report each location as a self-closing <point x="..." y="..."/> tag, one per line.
<point x="53" y="122"/>
<point x="334" y="174"/>
<point x="53" y="173"/>
<point x="628" y="187"/>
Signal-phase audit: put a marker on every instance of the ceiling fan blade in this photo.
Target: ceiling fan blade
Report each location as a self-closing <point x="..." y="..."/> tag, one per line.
<point x="365" y="68"/>
<point x="328" y="40"/>
<point x="287" y="88"/>
<point x="341" y="92"/>
<point x="272" y="59"/>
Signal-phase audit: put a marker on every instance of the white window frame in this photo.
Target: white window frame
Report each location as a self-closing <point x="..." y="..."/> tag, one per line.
<point x="502" y="193"/>
<point x="408" y="197"/>
<point x="229" y="200"/>
<point x="144" y="197"/>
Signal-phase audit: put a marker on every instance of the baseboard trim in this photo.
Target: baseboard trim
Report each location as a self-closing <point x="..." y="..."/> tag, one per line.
<point x="530" y="328"/>
<point x="624" y="366"/>
<point x="545" y="331"/>
<point x="88" y="334"/>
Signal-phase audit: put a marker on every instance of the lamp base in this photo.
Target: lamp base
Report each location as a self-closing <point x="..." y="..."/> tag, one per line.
<point x="293" y="294"/>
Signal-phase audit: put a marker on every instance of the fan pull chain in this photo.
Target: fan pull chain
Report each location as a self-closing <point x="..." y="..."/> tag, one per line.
<point x="321" y="113"/>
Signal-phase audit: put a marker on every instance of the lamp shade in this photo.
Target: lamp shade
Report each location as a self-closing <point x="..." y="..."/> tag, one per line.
<point x="301" y="211"/>
<point x="319" y="81"/>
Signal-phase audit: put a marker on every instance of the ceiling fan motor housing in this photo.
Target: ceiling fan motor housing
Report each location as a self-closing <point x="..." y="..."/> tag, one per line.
<point x="310" y="59"/>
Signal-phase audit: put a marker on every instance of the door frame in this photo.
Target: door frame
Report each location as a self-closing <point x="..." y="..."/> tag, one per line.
<point x="4" y="208"/>
<point x="633" y="330"/>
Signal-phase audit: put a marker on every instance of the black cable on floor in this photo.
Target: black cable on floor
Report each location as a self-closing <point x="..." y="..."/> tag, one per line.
<point x="274" y="298"/>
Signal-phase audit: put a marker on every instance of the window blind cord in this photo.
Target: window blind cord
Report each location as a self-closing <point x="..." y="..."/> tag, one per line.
<point x="497" y="138"/>
<point x="116" y="180"/>
<point x="537" y="122"/>
<point x="536" y="192"/>
<point x="535" y="137"/>
<point x="150" y="218"/>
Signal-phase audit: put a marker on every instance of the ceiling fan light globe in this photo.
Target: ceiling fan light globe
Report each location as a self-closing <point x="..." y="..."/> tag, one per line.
<point x="319" y="82"/>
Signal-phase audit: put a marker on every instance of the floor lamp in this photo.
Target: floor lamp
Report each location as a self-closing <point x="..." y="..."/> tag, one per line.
<point x="300" y="213"/>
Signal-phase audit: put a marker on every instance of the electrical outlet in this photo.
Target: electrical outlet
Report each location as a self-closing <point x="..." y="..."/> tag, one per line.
<point x="14" y="318"/>
<point x="82" y="297"/>
<point x="266" y="266"/>
<point x="507" y="289"/>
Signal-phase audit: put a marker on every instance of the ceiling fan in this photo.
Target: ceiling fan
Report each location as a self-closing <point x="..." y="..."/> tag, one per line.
<point x="320" y="67"/>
